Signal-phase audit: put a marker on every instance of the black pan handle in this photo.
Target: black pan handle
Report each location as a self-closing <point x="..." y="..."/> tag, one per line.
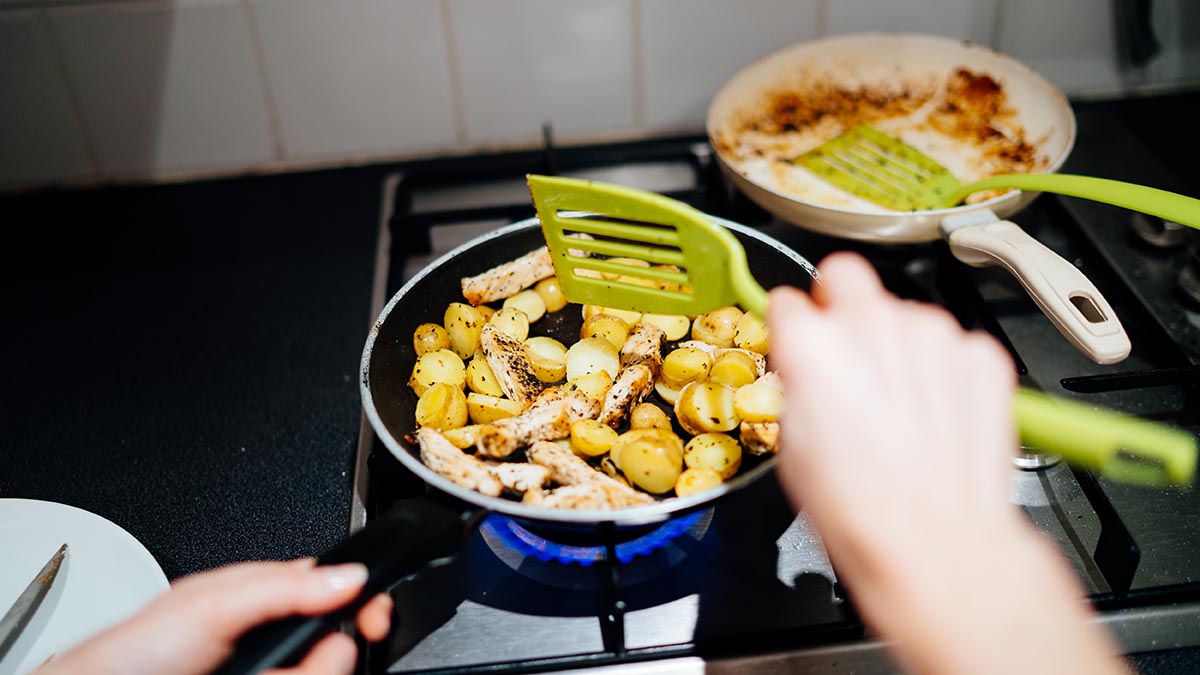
<point x="416" y="534"/>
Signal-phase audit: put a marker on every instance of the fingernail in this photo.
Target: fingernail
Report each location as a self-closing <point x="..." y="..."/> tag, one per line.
<point x="340" y="577"/>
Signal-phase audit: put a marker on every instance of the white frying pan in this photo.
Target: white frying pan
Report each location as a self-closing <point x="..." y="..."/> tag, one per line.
<point x="976" y="232"/>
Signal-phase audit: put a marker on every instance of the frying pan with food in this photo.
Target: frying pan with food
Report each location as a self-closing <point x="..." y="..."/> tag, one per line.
<point x="421" y="531"/>
<point x="976" y="111"/>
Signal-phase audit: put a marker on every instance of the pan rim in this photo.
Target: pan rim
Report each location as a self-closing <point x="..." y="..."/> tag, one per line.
<point x="637" y="515"/>
<point x="1000" y="200"/>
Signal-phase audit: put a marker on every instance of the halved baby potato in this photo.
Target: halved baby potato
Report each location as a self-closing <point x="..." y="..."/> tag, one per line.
<point x="484" y="409"/>
<point x="547" y="357"/>
<point x="592" y="355"/>
<point x="442" y="406"/>
<point x="438" y="366"/>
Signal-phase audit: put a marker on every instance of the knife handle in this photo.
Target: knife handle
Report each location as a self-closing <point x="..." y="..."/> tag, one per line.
<point x="418" y="533"/>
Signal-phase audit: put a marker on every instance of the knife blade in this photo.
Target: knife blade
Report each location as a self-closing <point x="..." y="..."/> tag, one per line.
<point x="22" y="611"/>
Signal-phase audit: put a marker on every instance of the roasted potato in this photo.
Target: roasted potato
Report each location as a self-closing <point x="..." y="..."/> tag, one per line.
<point x="651" y="459"/>
<point x="595" y="385"/>
<point x="719" y="452"/>
<point x="646" y="415"/>
<point x="685" y="365"/>
<point x="484" y="409"/>
<point x="442" y="406"/>
<point x="512" y="322"/>
<point x="629" y="317"/>
<point x="547" y="357"/>
<point x="552" y="294"/>
<point x="463" y="437"/>
<point x="481" y="379"/>
<point x="438" y="366"/>
<point x="527" y="301"/>
<point x="430" y="337"/>
<point x="675" y="326"/>
<point x="611" y="328"/>
<point x="592" y="355"/>
<point x="705" y="406"/>
<point x="758" y="402"/>
<point x="751" y="333"/>
<point x="692" y="481"/>
<point x="592" y="438"/>
<point x="463" y="324"/>
<point x="717" y="327"/>
<point x="733" y="368"/>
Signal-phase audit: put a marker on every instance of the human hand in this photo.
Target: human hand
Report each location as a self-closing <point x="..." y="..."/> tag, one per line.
<point x="897" y="438"/>
<point x="191" y="629"/>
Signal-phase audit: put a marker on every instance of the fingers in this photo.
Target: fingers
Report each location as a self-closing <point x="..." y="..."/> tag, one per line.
<point x="231" y="600"/>
<point x="335" y="654"/>
<point x="375" y="618"/>
<point x="847" y="280"/>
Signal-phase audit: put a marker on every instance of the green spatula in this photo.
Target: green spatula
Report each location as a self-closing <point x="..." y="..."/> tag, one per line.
<point x="870" y="164"/>
<point x="621" y="222"/>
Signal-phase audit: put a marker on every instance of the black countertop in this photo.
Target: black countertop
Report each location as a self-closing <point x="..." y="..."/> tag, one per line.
<point x="181" y="359"/>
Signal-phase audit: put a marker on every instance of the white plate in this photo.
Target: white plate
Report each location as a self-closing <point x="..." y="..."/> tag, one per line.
<point x="107" y="576"/>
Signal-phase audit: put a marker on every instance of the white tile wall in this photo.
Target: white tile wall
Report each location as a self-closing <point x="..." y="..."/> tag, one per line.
<point x="358" y="76"/>
<point x="1071" y="42"/>
<point x="40" y="137"/>
<point x="524" y="62"/>
<point x="166" y="86"/>
<point x="689" y="48"/>
<point x="144" y="88"/>
<point x="970" y="19"/>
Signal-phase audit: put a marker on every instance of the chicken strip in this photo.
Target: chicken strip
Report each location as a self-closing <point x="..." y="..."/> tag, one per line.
<point x="462" y="469"/>
<point x="506" y="357"/>
<point x="760" y="438"/>
<point x="508" y="279"/>
<point x="566" y="468"/>
<point x="593" y="495"/>
<point x="519" y="477"/>
<point x="644" y="345"/>
<point x="631" y="387"/>
<point x="548" y="418"/>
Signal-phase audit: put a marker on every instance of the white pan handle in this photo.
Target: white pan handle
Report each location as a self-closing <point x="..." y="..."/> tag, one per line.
<point x="1071" y="302"/>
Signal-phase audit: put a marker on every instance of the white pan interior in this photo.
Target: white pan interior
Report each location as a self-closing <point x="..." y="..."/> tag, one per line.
<point x="894" y="61"/>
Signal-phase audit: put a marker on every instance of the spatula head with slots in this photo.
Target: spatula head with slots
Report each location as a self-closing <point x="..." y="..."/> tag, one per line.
<point x="870" y="164"/>
<point x="695" y="265"/>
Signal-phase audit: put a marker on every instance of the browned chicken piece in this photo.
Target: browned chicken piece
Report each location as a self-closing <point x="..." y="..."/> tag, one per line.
<point x="506" y="357"/>
<point x="565" y="467"/>
<point x="760" y="438"/>
<point x="644" y="345"/>
<point x="462" y="469"/>
<point x="593" y="495"/>
<point x="760" y="361"/>
<point x="631" y="387"/>
<point x="548" y="418"/>
<point x="519" y="476"/>
<point x="508" y="279"/>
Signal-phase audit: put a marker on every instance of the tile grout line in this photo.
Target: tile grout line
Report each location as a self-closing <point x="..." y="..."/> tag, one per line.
<point x="639" y="72"/>
<point x="822" y="18"/>
<point x="278" y="149"/>
<point x="60" y="60"/>
<point x="997" y="22"/>
<point x="456" y="98"/>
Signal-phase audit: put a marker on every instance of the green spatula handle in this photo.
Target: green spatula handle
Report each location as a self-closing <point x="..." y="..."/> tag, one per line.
<point x="1168" y="205"/>
<point x="1120" y="447"/>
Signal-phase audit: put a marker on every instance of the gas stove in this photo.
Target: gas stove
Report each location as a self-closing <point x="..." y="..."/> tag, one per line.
<point x="746" y="585"/>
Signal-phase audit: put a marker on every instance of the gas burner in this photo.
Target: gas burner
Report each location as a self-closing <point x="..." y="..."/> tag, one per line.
<point x="1157" y="232"/>
<point x="586" y="548"/>
<point x="1029" y="460"/>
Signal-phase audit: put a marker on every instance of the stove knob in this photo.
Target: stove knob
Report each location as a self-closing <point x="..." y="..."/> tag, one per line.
<point x="1159" y="233"/>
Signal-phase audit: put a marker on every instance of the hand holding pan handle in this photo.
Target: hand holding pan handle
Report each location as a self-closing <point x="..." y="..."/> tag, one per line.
<point x="1072" y="303"/>
<point x="417" y="534"/>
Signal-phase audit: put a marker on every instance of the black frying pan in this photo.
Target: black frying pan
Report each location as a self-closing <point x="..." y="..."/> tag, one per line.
<point x="421" y="530"/>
